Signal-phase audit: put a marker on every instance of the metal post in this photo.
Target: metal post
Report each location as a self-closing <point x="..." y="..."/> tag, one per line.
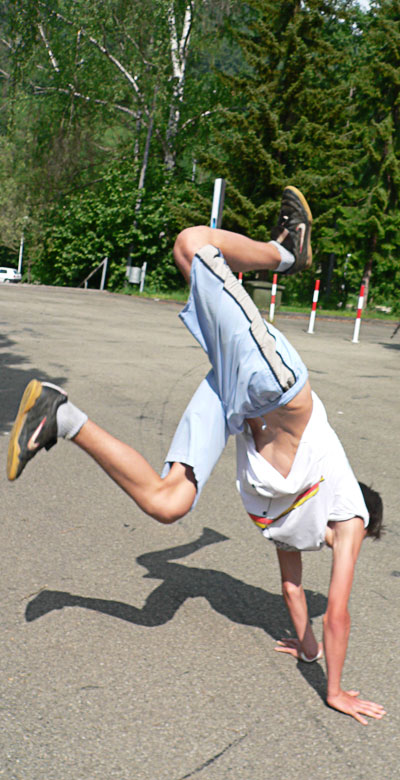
<point x="103" y="274"/>
<point x="21" y="253"/>
<point x="142" y="276"/>
<point x="218" y="203"/>
<point x="21" y="245"/>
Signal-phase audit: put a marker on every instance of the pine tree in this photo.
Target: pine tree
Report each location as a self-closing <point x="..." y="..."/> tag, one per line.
<point x="291" y="118"/>
<point x="370" y="214"/>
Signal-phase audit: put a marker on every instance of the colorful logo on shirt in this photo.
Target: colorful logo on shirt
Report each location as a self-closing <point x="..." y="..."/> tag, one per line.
<point x="263" y="522"/>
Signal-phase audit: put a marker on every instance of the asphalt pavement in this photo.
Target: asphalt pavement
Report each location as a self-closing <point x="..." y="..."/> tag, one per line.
<point x="136" y="651"/>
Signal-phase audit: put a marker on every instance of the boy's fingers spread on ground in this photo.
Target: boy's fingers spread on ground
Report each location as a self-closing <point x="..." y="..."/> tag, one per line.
<point x="360" y="719"/>
<point x="374" y="710"/>
<point x="365" y="707"/>
<point x="287" y="650"/>
<point x="370" y="713"/>
<point x="348" y="703"/>
<point x="368" y="706"/>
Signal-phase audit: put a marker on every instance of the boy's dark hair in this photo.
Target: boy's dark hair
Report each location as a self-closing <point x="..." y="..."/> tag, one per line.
<point x="375" y="508"/>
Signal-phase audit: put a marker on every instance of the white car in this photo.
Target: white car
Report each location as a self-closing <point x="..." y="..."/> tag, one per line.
<point x="8" y="275"/>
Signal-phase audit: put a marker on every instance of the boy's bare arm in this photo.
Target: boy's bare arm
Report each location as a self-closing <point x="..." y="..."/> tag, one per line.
<point x="347" y="539"/>
<point x="305" y="647"/>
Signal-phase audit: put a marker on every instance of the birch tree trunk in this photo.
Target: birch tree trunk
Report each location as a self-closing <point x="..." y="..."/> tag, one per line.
<point x="179" y="48"/>
<point x="145" y="161"/>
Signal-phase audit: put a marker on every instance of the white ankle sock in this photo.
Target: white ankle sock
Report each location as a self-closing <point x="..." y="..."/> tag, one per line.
<point x="287" y="259"/>
<point x="69" y="420"/>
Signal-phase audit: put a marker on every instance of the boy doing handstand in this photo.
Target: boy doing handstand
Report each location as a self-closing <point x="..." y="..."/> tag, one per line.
<point x="292" y="473"/>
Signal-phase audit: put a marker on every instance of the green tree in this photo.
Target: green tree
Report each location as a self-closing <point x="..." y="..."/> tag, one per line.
<point x="370" y="218"/>
<point x="97" y="85"/>
<point x="292" y="120"/>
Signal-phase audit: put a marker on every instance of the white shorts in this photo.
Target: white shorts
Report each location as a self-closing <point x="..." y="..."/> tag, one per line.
<point x="293" y="511"/>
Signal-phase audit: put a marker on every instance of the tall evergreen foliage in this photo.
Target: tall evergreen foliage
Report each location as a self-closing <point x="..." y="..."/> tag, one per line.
<point x="291" y="122"/>
<point x="370" y="218"/>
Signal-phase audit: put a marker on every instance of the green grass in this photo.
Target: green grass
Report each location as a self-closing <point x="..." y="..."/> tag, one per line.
<point x="369" y="313"/>
<point x="181" y="295"/>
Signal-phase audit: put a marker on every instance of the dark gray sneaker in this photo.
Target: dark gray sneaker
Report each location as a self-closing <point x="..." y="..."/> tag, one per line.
<point x="293" y="230"/>
<point x="35" y="425"/>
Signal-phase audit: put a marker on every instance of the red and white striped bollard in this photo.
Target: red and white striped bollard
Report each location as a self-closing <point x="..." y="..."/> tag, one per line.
<point x="314" y="306"/>
<point x="359" y="312"/>
<point x="273" y="297"/>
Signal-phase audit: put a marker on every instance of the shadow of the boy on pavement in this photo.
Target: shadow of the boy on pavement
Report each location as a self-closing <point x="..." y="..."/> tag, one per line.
<point x="241" y="603"/>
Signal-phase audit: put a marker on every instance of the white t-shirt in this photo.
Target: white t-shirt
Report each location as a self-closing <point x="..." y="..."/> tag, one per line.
<point x="320" y="469"/>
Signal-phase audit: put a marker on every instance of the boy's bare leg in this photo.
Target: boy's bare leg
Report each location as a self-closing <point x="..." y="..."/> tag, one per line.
<point x="289" y="252"/>
<point x="240" y="252"/>
<point x="165" y="499"/>
<point x="45" y="414"/>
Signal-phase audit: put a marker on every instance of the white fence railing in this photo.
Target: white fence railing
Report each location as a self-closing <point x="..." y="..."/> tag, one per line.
<point x="103" y="264"/>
